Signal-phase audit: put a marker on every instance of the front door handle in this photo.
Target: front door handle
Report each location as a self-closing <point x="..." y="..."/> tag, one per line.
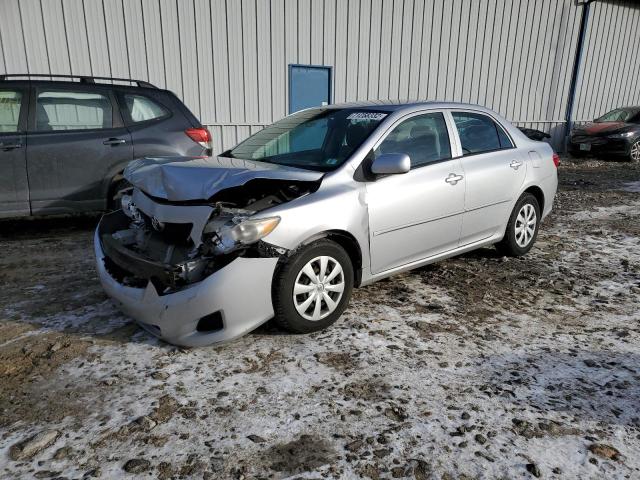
<point x="515" y="164"/>
<point x="114" y="141"/>
<point x="452" y="179"/>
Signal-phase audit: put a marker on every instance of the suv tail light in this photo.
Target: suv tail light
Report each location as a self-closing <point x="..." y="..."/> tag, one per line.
<point x="556" y="159"/>
<point x="201" y="136"/>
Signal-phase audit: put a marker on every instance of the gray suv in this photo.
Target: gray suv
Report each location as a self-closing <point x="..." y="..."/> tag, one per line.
<point x="65" y="141"/>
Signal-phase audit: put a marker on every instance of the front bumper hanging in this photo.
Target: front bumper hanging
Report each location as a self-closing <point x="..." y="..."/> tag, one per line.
<point x="239" y="293"/>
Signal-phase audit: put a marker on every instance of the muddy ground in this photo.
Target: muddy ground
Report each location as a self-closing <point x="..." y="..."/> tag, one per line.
<point x="475" y="367"/>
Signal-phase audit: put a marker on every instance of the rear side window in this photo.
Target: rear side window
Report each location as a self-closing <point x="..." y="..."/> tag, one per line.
<point x="479" y="133"/>
<point x="10" y="101"/>
<point x="143" y="109"/>
<point x="423" y="138"/>
<point x="72" y="110"/>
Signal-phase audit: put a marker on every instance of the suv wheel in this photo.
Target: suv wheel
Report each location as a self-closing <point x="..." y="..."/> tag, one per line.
<point x="313" y="288"/>
<point x="522" y="228"/>
<point x="634" y="152"/>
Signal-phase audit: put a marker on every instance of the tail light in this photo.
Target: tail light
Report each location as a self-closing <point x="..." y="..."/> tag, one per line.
<point x="556" y="159"/>
<point x="201" y="136"/>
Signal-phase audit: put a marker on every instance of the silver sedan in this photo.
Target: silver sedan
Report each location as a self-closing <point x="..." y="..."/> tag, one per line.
<point x="288" y="222"/>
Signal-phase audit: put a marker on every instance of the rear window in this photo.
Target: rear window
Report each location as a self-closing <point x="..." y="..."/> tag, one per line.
<point x="143" y="109"/>
<point x="479" y="133"/>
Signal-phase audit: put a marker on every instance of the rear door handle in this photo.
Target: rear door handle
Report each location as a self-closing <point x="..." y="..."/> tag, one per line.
<point x="10" y="146"/>
<point x="515" y="164"/>
<point x="452" y="179"/>
<point x="114" y="141"/>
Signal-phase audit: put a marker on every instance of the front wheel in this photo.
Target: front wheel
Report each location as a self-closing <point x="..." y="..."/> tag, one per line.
<point x="634" y="152"/>
<point x="522" y="228"/>
<point x="313" y="288"/>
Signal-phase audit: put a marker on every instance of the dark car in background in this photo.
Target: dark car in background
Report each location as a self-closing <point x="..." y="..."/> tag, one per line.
<point x="64" y="141"/>
<point x="616" y="133"/>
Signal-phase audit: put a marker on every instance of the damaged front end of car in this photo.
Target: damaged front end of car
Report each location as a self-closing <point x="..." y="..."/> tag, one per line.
<point x="188" y="246"/>
<point x="148" y="245"/>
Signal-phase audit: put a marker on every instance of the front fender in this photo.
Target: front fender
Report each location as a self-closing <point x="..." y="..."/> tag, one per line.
<point x="340" y="208"/>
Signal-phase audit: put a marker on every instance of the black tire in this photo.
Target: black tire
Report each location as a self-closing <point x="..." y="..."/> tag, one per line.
<point x="509" y="245"/>
<point x="634" y="152"/>
<point x="286" y="314"/>
<point x="118" y="188"/>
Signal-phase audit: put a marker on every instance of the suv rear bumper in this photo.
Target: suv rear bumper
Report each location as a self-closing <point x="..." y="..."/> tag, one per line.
<point x="240" y="292"/>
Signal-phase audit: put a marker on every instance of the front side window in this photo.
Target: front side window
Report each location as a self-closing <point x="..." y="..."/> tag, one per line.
<point x="316" y="139"/>
<point x="69" y="110"/>
<point x="142" y="109"/>
<point x="424" y="138"/>
<point x="10" y="102"/>
<point x="479" y="133"/>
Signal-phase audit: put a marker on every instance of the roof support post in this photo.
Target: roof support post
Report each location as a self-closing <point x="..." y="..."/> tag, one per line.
<point x="577" y="62"/>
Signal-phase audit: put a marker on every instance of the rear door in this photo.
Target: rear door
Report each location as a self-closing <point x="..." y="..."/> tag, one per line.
<point x="14" y="187"/>
<point x="494" y="172"/>
<point x="77" y="142"/>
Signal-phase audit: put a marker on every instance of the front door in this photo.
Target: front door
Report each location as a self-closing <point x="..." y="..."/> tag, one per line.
<point x="494" y="172"/>
<point x="76" y="137"/>
<point x="14" y="186"/>
<point x="418" y="214"/>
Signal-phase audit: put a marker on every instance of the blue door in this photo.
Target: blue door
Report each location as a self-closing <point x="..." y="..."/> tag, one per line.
<point x="309" y="86"/>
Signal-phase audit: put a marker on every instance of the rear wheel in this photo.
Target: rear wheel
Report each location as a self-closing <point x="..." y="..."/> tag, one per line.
<point x="522" y="229"/>
<point x="634" y="152"/>
<point x="313" y="288"/>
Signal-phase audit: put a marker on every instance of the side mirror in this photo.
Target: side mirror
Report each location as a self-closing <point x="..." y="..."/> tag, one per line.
<point x="391" y="163"/>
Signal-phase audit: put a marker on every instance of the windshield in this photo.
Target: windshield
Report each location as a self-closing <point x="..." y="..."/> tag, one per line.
<point x="316" y="139"/>
<point x="618" y="115"/>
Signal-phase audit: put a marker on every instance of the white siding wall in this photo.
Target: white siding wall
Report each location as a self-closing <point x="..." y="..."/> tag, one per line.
<point x="228" y="59"/>
<point x="611" y="64"/>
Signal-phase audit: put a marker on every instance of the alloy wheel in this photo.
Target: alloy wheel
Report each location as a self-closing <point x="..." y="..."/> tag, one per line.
<point x="635" y="152"/>
<point x="318" y="288"/>
<point x="525" y="225"/>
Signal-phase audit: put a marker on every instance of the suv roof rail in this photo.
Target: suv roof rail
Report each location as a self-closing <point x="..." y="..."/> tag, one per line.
<point x="82" y="78"/>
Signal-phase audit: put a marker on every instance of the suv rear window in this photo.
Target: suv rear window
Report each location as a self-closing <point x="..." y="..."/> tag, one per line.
<point x="142" y="109"/>
<point x="72" y="110"/>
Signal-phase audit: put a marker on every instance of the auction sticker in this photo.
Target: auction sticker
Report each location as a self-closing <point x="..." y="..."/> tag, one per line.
<point x="366" y="116"/>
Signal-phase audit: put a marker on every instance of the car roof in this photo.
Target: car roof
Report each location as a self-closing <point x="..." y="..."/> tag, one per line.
<point x="397" y="105"/>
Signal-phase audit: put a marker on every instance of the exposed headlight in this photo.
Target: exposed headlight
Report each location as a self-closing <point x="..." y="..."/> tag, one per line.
<point x="246" y="232"/>
<point x="621" y="135"/>
<point x="250" y="231"/>
<point x="130" y="210"/>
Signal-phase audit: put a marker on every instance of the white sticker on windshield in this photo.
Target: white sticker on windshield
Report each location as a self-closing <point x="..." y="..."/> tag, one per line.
<point x="366" y="116"/>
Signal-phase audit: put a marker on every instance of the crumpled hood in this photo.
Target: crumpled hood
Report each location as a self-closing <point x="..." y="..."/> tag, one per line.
<point x="179" y="179"/>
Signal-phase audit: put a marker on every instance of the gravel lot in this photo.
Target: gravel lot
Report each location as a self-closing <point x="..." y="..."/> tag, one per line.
<point x="476" y="367"/>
